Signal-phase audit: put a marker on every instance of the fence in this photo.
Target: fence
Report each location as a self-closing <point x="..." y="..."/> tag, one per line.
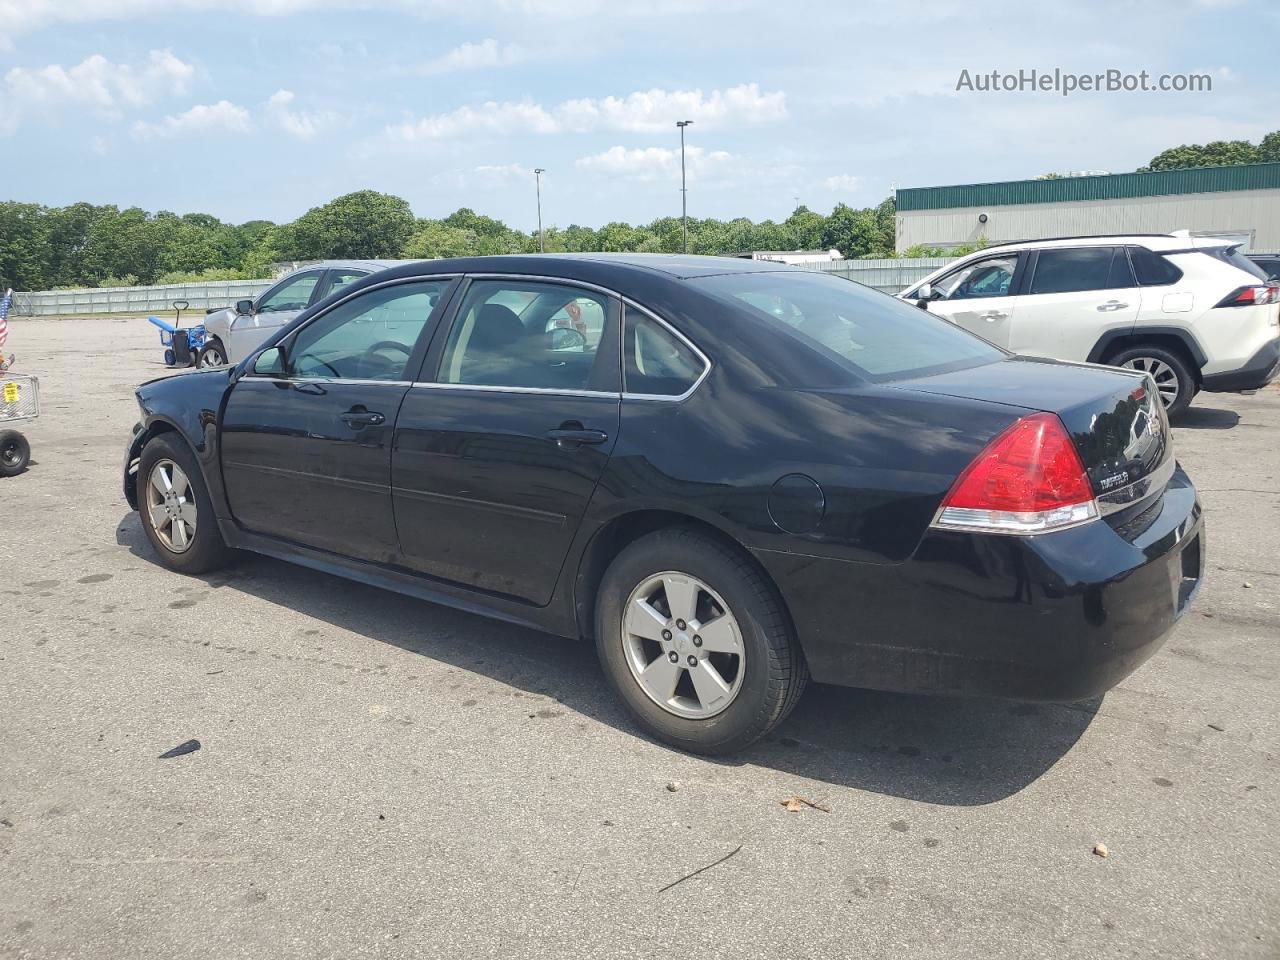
<point x="139" y="300"/>
<point x="889" y="276"/>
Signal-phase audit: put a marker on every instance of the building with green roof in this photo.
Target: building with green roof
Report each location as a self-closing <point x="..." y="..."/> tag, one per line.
<point x="1238" y="202"/>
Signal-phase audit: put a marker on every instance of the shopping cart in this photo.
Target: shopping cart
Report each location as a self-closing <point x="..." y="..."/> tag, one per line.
<point x="19" y="400"/>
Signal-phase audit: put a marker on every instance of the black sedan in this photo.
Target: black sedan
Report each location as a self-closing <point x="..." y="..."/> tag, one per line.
<point x="732" y="475"/>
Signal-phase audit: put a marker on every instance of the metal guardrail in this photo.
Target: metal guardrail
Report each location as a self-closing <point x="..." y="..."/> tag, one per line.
<point x="157" y="299"/>
<point x="889" y="276"/>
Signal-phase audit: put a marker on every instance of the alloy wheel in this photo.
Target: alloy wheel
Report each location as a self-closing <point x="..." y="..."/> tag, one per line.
<point x="1165" y="377"/>
<point x="171" y="506"/>
<point x="10" y="454"/>
<point x="212" y="357"/>
<point x="683" y="645"/>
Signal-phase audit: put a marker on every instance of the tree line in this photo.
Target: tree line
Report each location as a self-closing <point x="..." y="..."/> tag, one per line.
<point x="86" y="245"/>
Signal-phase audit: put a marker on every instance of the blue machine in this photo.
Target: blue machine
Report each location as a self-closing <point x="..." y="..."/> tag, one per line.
<point x="182" y="346"/>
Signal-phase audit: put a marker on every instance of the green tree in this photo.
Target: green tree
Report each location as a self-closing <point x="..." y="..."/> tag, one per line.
<point x="1215" y="154"/>
<point x="1269" y="148"/>
<point x="436" y="239"/>
<point x="806" y="229"/>
<point x="25" y="253"/>
<point x="365" y="224"/>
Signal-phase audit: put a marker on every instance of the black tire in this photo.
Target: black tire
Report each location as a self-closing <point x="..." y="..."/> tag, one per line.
<point x="15" y="453"/>
<point x="212" y="350"/>
<point x="206" y="549"/>
<point x="1174" y="361"/>
<point x="773" y="668"/>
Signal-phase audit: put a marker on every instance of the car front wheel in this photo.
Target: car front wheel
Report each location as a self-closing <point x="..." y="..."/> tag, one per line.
<point x="214" y="354"/>
<point x="177" y="513"/>
<point x="696" y="642"/>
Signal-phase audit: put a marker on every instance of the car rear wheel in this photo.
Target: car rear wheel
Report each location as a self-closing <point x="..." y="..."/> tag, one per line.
<point x="15" y="452"/>
<point x="177" y="513"/>
<point x="1174" y="380"/>
<point x="696" y="642"/>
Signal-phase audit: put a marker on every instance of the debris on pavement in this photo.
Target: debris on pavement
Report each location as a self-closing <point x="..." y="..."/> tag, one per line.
<point x="191" y="746"/>
<point x="797" y="803"/>
<point x="673" y="786"/>
<point x="701" y="869"/>
<point x="1100" y="850"/>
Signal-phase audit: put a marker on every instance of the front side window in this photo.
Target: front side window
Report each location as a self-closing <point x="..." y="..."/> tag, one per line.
<point x="875" y="336"/>
<point x="986" y="278"/>
<point x="529" y="334"/>
<point x="370" y="337"/>
<point x="656" y="363"/>
<point x="1079" y="269"/>
<point x="293" y="294"/>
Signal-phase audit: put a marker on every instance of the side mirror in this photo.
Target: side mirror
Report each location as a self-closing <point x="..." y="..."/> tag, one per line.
<point x="269" y="363"/>
<point x="925" y="292"/>
<point x="244" y="308"/>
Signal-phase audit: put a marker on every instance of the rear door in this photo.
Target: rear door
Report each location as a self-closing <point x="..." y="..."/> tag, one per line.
<point x="499" y="447"/>
<point x="980" y="296"/>
<point x="272" y="311"/>
<point x="1071" y="298"/>
<point x="306" y="445"/>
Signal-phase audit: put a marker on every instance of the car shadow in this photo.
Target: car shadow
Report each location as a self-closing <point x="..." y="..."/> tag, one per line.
<point x="949" y="751"/>
<point x="1207" y="418"/>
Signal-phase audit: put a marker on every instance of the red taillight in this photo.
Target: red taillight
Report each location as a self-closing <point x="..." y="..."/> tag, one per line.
<point x="1029" y="479"/>
<point x="1252" y="296"/>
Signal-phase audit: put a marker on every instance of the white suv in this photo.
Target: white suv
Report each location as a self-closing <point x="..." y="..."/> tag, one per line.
<point x="1195" y="313"/>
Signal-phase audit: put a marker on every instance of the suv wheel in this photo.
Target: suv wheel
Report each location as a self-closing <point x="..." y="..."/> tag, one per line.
<point x="1174" y="380"/>
<point x="696" y="642"/>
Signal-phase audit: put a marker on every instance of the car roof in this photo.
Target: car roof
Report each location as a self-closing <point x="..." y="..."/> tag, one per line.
<point x="670" y="266"/>
<point x="373" y="266"/>
<point x="1158" y="242"/>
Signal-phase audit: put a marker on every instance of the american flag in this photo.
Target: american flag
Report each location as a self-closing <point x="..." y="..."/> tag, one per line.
<point x="4" y="317"/>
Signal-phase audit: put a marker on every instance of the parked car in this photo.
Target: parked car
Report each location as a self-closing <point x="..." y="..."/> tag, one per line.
<point x="1195" y="313"/>
<point x="235" y="332"/>
<point x="1269" y="262"/>
<point x="732" y="475"/>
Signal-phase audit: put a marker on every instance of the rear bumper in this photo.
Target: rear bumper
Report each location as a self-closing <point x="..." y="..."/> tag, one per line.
<point x="1061" y="617"/>
<point x="1261" y="369"/>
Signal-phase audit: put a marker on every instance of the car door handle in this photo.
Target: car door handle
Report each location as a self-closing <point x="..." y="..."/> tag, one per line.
<point x="992" y="316"/>
<point x="566" y="437"/>
<point x="363" y="418"/>
<point x="1111" y="305"/>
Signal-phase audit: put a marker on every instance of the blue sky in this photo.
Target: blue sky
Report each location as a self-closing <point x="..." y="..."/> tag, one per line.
<point x="265" y="108"/>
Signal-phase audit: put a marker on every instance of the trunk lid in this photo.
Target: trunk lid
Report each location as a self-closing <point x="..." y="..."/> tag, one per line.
<point x="1115" y="418"/>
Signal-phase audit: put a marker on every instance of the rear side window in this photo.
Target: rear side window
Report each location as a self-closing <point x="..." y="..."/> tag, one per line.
<point x="1233" y="256"/>
<point x="874" y="336"/>
<point x="1153" y="270"/>
<point x="1078" y="270"/>
<point x="656" y="362"/>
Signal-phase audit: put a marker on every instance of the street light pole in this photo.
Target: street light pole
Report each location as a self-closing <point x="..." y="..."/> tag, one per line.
<point x="537" y="175"/>
<point x="684" y="191"/>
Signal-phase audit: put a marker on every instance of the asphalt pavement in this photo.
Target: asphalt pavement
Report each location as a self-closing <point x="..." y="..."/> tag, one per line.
<point x="381" y="777"/>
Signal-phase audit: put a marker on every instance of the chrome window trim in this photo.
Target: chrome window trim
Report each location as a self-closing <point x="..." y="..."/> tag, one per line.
<point x="387" y="383"/>
<point x="488" y="388"/>
<point x="622" y="332"/>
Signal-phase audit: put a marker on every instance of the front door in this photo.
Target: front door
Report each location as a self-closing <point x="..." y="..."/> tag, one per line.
<point x="275" y="308"/>
<point x="979" y="297"/>
<point x="498" y="455"/>
<point x="306" y="437"/>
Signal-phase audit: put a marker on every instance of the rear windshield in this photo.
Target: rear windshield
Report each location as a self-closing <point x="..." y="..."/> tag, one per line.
<point x="1233" y="256"/>
<point x="876" y="336"/>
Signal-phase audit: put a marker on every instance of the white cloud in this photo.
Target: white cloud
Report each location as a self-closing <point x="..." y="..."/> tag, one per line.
<point x="220" y="117"/>
<point x="475" y="56"/>
<point x="842" y="182"/>
<point x="303" y="125"/>
<point x="660" y="163"/>
<point x="95" y="83"/>
<point x="502" y="174"/>
<point x="646" y="111"/>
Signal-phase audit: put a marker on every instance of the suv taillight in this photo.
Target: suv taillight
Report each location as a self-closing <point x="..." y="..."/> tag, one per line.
<point x="1027" y="480"/>
<point x="1252" y="296"/>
